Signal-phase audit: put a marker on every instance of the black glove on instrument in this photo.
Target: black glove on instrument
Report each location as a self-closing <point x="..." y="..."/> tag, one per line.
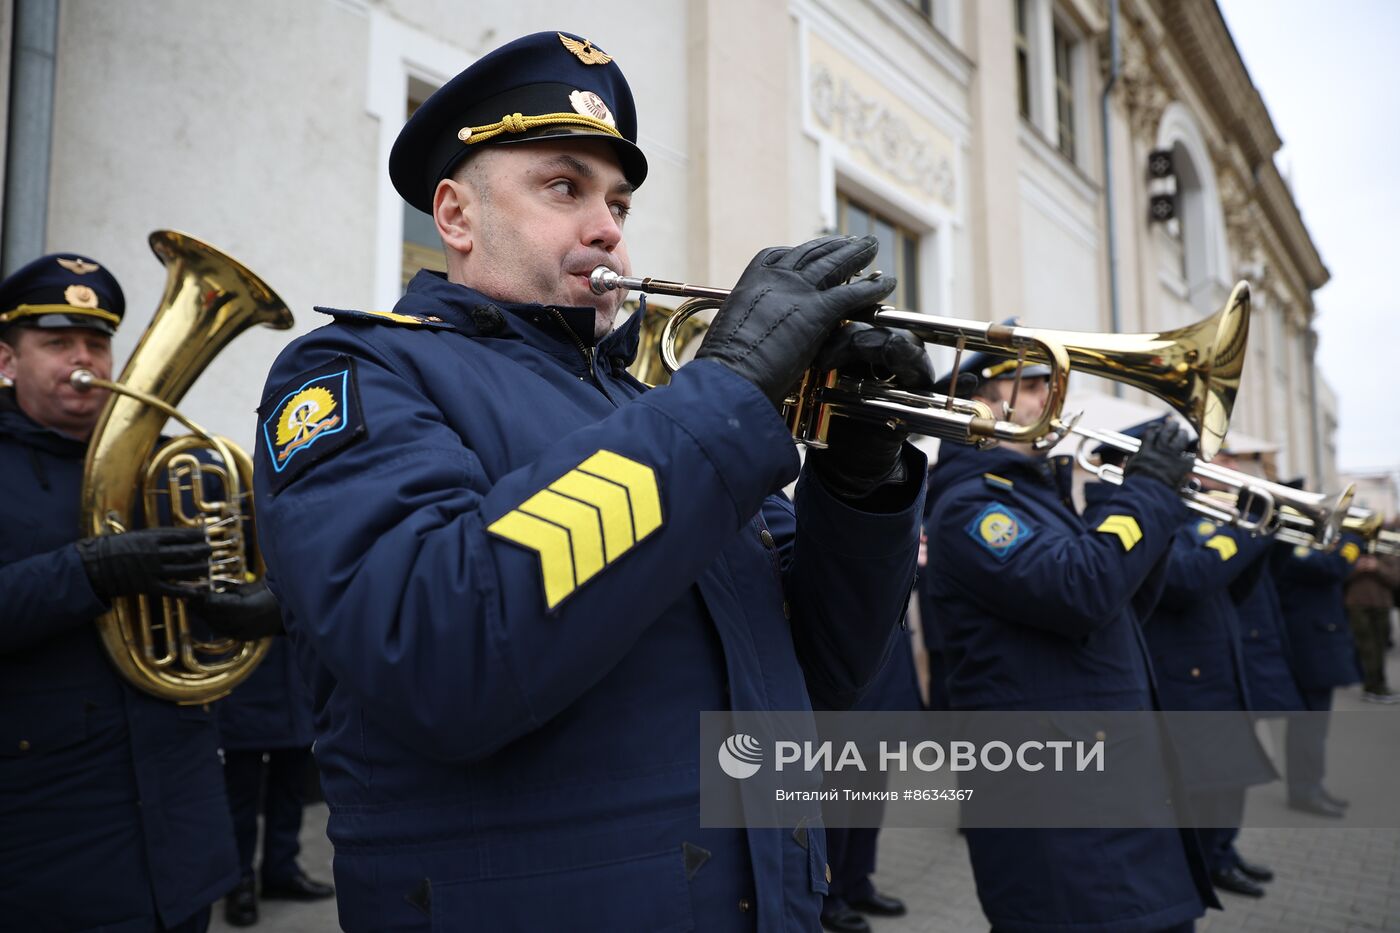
<point x="1164" y="455"/>
<point x="243" y="612"/>
<point x="863" y="455"/>
<point x="785" y="305"/>
<point x="138" y="561"/>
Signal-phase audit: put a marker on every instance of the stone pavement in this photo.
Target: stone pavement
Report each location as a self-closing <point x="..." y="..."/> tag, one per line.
<point x="1329" y="880"/>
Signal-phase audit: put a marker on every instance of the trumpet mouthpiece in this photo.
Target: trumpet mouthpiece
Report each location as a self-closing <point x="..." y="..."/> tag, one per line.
<point x="80" y="379"/>
<point x="603" y="280"/>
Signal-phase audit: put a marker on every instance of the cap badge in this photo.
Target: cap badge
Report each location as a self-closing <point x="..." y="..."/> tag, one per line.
<point x="591" y="105"/>
<point x="79" y="266"/>
<point x="584" y="50"/>
<point x="80" y="296"/>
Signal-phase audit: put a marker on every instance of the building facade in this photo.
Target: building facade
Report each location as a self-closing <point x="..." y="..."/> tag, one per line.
<point x="982" y="142"/>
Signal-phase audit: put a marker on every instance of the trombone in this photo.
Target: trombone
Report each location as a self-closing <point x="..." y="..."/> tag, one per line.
<point x="1253" y="505"/>
<point x="1195" y="369"/>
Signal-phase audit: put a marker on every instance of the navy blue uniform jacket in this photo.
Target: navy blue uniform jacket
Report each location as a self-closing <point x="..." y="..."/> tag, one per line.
<point x="1267" y="665"/>
<point x="1036" y="611"/>
<point x="1194" y="639"/>
<point x="1311" y="584"/>
<point x="111" y="801"/>
<point x="271" y="709"/>
<point x="507" y="693"/>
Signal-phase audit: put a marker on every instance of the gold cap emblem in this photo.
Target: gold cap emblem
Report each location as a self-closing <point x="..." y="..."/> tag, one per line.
<point x="79" y="266"/>
<point x="584" y="50"/>
<point x="591" y="105"/>
<point x="80" y="296"/>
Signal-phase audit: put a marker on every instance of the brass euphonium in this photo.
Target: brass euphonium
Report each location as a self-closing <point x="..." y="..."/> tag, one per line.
<point x="127" y="480"/>
<point x="1196" y="369"/>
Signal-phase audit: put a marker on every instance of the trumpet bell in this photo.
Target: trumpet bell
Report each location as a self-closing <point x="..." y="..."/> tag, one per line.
<point x="1196" y="369"/>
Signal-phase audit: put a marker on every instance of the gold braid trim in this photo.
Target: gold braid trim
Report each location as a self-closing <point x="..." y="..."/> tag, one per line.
<point x="35" y="310"/>
<point x="517" y="123"/>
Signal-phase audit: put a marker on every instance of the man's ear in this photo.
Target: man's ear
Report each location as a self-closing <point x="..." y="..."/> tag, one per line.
<point x="452" y="203"/>
<point x="7" y="360"/>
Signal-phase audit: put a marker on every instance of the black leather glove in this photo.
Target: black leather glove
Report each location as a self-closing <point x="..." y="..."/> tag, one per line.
<point x="863" y="455"/>
<point x="242" y="612"/>
<point x="137" y="562"/>
<point x="785" y="305"/>
<point x="1164" y="455"/>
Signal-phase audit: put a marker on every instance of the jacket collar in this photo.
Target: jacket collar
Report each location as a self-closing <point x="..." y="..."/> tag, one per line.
<point x="16" y="424"/>
<point x="552" y="328"/>
<point x="959" y="461"/>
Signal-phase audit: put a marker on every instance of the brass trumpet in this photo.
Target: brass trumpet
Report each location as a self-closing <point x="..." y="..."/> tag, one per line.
<point x="1251" y="504"/>
<point x="1364" y="523"/>
<point x="1195" y="369"/>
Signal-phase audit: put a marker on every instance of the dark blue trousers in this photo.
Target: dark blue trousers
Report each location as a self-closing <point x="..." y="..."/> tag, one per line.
<point x="279" y="785"/>
<point x="1306" y="742"/>
<point x="851" y="855"/>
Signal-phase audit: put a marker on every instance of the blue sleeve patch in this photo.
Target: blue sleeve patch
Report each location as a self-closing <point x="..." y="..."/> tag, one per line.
<point x="1000" y="530"/>
<point x="315" y="415"/>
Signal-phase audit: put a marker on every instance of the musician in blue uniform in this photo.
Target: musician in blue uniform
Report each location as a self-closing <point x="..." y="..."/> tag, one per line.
<point x="1194" y="640"/>
<point x="516" y="578"/>
<point x="1310" y="588"/>
<point x="265" y="725"/>
<point x="1036" y="610"/>
<point x="111" y="801"/>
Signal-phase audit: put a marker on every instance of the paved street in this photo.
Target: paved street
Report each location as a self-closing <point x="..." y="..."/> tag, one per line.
<point x="1329" y="880"/>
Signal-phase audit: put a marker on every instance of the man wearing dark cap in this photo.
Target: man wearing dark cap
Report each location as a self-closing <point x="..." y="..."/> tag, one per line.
<point x="517" y="578"/>
<point x="112" y="801"/>
<point x="1037" y="610"/>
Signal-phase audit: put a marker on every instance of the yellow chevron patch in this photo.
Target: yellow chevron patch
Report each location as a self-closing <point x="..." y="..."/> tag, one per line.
<point x="1224" y="545"/>
<point x="1351" y="551"/>
<point x="1125" y="527"/>
<point x="584" y="520"/>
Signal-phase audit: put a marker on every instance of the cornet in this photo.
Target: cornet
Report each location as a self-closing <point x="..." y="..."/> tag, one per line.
<point x="1195" y="369"/>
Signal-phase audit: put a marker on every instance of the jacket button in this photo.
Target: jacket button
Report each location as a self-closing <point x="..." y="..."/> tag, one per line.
<point x="1331" y="626"/>
<point x="766" y="537"/>
<point x="206" y="707"/>
<point x="745" y="904"/>
<point x="24" y="745"/>
<point x="1195" y="672"/>
<point x="1254" y="633"/>
<point x="828" y="873"/>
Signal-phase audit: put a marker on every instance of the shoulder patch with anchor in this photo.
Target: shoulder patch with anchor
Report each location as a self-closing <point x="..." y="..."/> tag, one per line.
<point x="387" y="317"/>
<point x="1000" y="530"/>
<point x="315" y="415"/>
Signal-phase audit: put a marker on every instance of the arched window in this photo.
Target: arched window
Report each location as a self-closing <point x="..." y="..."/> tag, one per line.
<point x="1204" y="258"/>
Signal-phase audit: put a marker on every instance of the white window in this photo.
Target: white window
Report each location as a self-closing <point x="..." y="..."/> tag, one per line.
<point x="899" y="246"/>
<point x="1049" y="75"/>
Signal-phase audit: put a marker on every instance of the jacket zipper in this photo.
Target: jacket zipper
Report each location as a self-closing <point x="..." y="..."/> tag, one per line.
<point x="584" y="350"/>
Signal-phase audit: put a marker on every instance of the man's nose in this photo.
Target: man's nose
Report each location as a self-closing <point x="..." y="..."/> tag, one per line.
<point x="601" y="228"/>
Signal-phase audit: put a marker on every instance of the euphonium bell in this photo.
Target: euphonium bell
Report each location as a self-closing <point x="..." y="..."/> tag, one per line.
<point x="209" y="300"/>
<point x="1195" y="369"/>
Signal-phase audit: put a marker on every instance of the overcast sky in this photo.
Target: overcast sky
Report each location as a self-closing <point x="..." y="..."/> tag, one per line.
<point x="1330" y="75"/>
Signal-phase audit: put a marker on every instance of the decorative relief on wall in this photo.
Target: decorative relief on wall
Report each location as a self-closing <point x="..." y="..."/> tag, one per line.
<point x="1143" y="93"/>
<point x="852" y="106"/>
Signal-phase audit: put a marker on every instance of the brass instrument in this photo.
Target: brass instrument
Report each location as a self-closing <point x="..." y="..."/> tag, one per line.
<point x="1196" y="369"/>
<point x="648" y="366"/>
<point x="1364" y="523"/>
<point x="209" y="300"/>
<point x="1247" y="502"/>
